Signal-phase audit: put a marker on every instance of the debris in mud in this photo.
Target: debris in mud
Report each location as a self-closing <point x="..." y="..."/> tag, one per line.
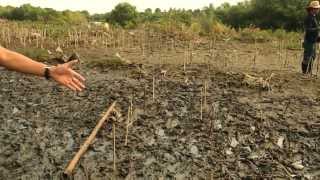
<point x="150" y="161"/>
<point x="169" y="157"/>
<point x="15" y="110"/>
<point x="258" y="82"/>
<point x="172" y="123"/>
<point x="122" y="60"/>
<point x="298" y="165"/>
<point x="280" y="142"/>
<point x="234" y="143"/>
<point x="59" y="50"/>
<point x="64" y="58"/>
<point x="229" y="151"/>
<point x="160" y="133"/>
<point x="194" y="151"/>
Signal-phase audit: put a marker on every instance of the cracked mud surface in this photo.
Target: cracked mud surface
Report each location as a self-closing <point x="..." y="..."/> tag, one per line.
<point x="245" y="133"/>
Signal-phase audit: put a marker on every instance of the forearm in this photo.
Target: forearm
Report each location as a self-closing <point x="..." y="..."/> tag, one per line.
<point x="18" y="62"/>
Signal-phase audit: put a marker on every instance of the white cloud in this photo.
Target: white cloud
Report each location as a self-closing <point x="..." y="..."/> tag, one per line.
<point x="101" y="6"/>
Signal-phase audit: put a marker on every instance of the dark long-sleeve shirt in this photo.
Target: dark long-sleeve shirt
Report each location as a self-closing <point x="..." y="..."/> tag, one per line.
<point x="311" y="29"/>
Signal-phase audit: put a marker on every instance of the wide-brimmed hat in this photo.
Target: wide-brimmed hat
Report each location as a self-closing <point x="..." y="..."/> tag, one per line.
<point x="314" y="5"/>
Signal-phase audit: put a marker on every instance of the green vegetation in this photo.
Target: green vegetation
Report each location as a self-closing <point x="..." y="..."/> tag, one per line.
<point x="264" y="14"/>
<point x="30" y="13"/>
<point x="124" y="15"/>
<point x="252" y="20"/>
<point x="35" y="53"/>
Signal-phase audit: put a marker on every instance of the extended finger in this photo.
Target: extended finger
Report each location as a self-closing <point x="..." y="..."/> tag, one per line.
<point x="71" y="87"/>
<point x="75" y="86"/>
<point x="80" y="84"/>
<point x="77" y="75"/>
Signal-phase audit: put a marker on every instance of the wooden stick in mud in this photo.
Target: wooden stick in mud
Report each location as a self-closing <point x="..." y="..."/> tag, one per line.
<point x="318" y="61"/>
<point x="205" y="95"/>
<point x="201" y="105"/>
<point x="114" y="150"/>
<point x="130" y="114"/>
<point x="153" y="88"/>
<point x="84" y="147"/>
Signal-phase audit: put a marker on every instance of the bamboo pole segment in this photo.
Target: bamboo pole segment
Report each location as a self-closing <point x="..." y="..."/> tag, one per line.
<point x="85" y="146"/>
<point x="114" y="150"/>
<point x="201" y="105"/>
<point x="153" y="88"/>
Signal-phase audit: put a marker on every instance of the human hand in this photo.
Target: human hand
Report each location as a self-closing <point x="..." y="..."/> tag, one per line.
<point x="64" y="75"/>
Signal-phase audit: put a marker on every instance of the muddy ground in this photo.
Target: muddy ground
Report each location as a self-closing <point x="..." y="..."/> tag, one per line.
<point x="245" y="132"/>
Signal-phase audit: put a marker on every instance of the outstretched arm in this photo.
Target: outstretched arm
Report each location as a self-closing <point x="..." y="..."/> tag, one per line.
<point x="63" y="74"/>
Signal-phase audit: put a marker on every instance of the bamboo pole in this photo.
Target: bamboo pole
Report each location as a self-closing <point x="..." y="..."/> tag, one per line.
<point x="205" y="95"/>
<point x="114" y="151"/>
<point x="129" y="121"/>
<point x="153" y="88"/>
<point x="85" y="146"/>
<point x="201" y="105"/>
<point x="318" y="61"/>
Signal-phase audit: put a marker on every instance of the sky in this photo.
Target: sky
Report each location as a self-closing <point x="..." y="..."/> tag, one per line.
<point x="102" y="6"/>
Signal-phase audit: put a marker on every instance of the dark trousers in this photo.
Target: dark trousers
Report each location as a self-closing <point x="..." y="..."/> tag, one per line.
<point x="309" y="56"/>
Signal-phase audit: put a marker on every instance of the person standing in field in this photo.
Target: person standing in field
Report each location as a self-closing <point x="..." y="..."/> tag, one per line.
<point x="62" y="74"/>
<point x="311" y="37"/>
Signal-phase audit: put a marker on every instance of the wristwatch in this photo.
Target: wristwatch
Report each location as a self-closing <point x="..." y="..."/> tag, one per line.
<point x="47" y="72"/>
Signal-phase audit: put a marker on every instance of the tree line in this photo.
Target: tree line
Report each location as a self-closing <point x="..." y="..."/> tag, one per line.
<point x="264" y="14"/>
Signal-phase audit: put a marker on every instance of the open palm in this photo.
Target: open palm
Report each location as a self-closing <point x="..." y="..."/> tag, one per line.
<point x="64" y="75"/>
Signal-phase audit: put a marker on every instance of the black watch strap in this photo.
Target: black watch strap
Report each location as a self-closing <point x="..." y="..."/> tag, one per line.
<point x="47" y="73"/>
